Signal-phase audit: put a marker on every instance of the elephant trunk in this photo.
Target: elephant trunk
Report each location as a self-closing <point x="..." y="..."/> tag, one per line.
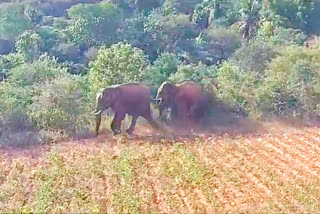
<point x="98" y="122"/>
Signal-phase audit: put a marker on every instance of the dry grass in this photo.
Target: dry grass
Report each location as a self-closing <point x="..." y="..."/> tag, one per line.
<point x="271" y="172"/>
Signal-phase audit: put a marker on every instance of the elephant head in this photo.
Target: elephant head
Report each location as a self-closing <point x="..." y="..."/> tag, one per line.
<point x="105" y="99"/>
<point x="165" y="96"/>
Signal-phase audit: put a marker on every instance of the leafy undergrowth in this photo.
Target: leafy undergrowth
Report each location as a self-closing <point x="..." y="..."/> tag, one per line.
<point x="269" y="172"/>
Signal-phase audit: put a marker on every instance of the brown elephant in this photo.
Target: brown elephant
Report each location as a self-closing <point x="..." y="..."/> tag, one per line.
<point x="187" y="100"/>
<point x="131" y="98"/>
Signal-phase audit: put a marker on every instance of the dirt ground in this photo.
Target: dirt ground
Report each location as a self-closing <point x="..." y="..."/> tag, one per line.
<point x="243" y="167"/>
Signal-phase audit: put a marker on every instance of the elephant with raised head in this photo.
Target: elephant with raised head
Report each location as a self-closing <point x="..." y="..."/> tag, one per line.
<point x="131" y="98"/>
<point x="187" y="100"/>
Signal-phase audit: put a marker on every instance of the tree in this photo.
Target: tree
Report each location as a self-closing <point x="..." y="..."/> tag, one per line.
<point x="13" y="20"/>
<point x="94" y="23"/>
<point x="120" y="63"/>
<point x="165" y="65"/>
<point x="29" y="45"/>
<point x="180" y="6"/>
<point x="170" y="32"/>
<point x="249" y="17"/>
<point x="297" y="14"/>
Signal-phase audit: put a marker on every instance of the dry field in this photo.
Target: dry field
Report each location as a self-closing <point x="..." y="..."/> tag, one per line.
<point x="271" y="171"/>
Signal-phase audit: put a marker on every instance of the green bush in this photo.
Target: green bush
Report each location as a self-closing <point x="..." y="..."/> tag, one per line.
<point x="13" y="20"/>
<point x="206" y="75"/>
<point x="91" y="23"/>
<point x="288" y="36"/>
<point x="165" y="65"/>
<point x="7" y="62"/>
<point x="254" y="56"/>
<point x="16" y="94"/>
<point x="61" y="105"/>
<point x="237" y="88"/>
<point x="37" y="72"/>
<point x="67" y="52"/>
<point x="13" y="102"/>
<point x="169" y="32"/>
<point x="215" y="45"/>
<point x="118" y="64"/>
<point x="292" y="83"/>
<point x="29" y="45"/>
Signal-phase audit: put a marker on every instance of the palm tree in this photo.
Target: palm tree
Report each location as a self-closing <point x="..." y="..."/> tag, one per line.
<point x="249" y="17"/>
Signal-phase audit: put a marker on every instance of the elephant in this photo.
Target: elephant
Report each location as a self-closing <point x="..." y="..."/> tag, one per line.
<point x="130" y="98"/>
<point x="187" y="100"/>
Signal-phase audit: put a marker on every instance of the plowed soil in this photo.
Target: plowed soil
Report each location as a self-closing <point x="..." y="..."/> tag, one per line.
<point x="226" y="170"/>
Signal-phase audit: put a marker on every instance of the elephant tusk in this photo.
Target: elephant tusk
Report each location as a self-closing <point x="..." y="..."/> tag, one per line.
<point x="97" y="112"/>
<point x="158" y="101"/>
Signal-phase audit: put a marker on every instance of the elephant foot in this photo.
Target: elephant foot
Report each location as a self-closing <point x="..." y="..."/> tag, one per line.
<point x="116" y="132"/>
<point x="129" y="131"/>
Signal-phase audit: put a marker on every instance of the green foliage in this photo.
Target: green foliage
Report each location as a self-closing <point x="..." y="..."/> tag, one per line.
<point x="112" y="42"/>
<point x="206" y="75"/>
<point x="297" y="14"/>
<point x="180" y="6"/>
<point x="61" y="105"/>
<point x="93" y="23"/>
<point x="288" y="36"/>
<point x="13" y="101"/>
<point x="67" y="52"/>
<point x="29" y="45"/>
<point x="35" y="73"/>
<point x="292" y="83"/>
<point x="49" y="36"/>
<point x="215" y="45"/>
<point x="118" y="64"/>
<point x="13" y="20"/>
<point x="17" y="92"/>
<point x="254" y="56"/>
<point x="7" y="62"/>
<point x="166" y="65"/>
<point x="237" y="87"/>
<point x="169" y="32"/>
<point x="248" y="17"/>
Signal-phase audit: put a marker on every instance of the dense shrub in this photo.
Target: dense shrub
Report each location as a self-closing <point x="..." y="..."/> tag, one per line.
<point x="94" y="23"/>
<point x="292" y="83"/>
<point x="237" y="88"/>
<point x="13" y="102"/>
<point x="215" y="45"/>
<point x="67" y="52"/>
<point x="289" y="36"/>
<point x="7" y="62"/>
<point x="49" y="36"/>
<point x="13" y="20"/>
<point x="17" y="93"/>
<point x="37" y="72"/>
<point x="61" y="105"/>
<point x="118" y="64"/>
<point x="206" y="75"/>
<point x="166" y="65"/>
<point x="254" y="56"/>
<point x="29" y="45"/>
<point x="169" y="32"/>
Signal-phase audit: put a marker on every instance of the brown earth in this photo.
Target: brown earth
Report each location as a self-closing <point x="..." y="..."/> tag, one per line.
<point x="245" y="167"/>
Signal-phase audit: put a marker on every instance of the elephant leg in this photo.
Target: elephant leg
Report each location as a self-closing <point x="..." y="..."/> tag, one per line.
<point x="182" y="111"/>
<point x="151" y="121"/>
<point x="116" y="122"/>
<point x="193" y="112"/>
<point x="133" y="124"/>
